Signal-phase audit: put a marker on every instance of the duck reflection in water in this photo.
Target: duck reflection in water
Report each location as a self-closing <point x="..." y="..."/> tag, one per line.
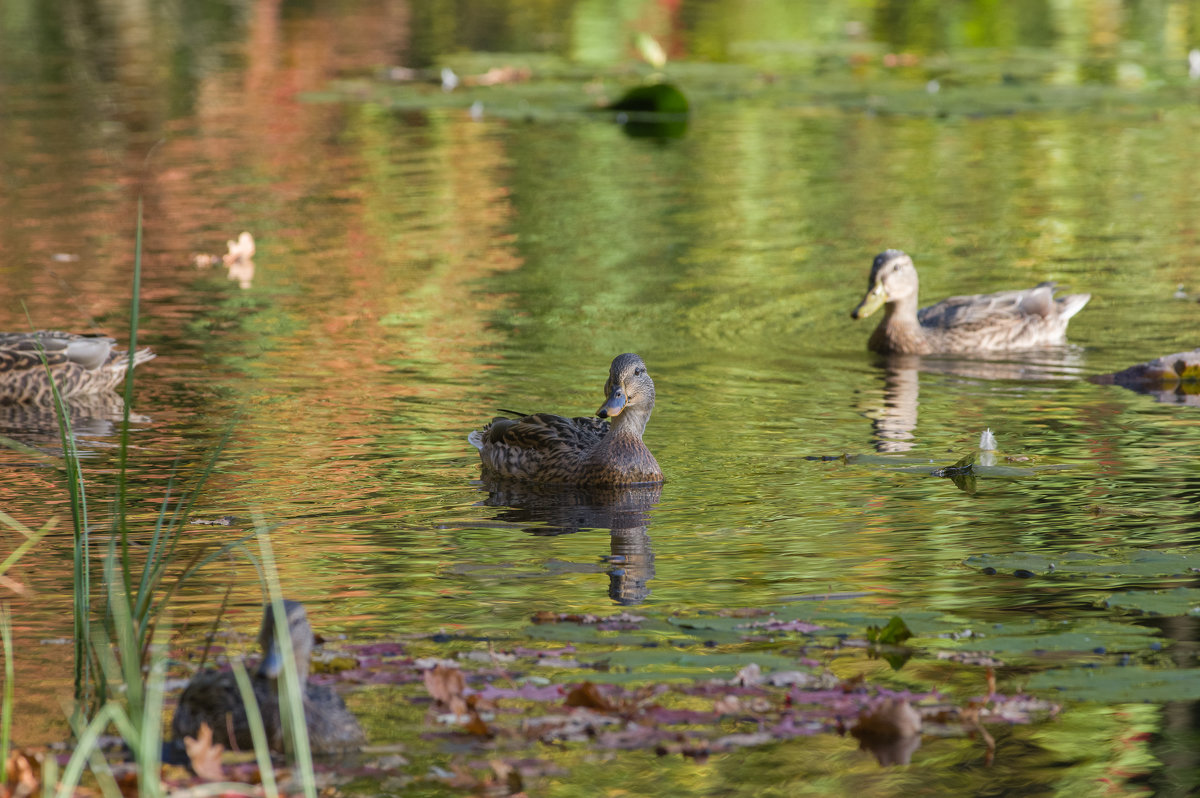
<point x="556" y="510"/>
<point x="213" y="697"/>
<point x="894" y="419"/>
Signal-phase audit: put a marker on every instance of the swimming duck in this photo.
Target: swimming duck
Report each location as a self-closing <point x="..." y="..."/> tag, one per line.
<point x="213" y="697"/>
<point x="81" y="365"/>
<point x="579" y="451"/>
<point x="1023" y="319"/>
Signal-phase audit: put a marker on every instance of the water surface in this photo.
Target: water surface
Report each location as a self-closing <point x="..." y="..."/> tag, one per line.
<point x="419" y="267"/>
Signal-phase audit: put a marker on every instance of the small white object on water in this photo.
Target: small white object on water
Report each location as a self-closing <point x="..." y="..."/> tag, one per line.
<point x="449" y="79"/>
<point x="933" y="87"/>
<point x="987" y="448"/>
<point x="477" y="110"/>
<point x="1194" y="64"/>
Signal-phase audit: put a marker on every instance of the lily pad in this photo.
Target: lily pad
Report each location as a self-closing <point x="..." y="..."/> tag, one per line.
<point x="659" y="659"/>
<point x="1040" y="637"/>
<point x="1127" y="684"/>
<point x="1127" y="563"/>
<point x="1179" y="601"/>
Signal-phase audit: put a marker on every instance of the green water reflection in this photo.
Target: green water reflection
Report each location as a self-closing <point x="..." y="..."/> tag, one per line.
<point x="419" y="268"/>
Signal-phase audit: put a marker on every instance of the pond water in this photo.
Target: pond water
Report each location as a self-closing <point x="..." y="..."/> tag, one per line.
<point x="423" y="261"/>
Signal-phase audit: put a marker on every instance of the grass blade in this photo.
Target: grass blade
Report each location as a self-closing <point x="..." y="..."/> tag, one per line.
<point x="258" y="734"/>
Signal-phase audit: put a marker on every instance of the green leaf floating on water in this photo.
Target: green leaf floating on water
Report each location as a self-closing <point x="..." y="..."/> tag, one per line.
<point x="1180" y="601"/>
<point x="895" y="633"/>
<point x="1038" y="637"/>
<point x="1111" y="683"/>
<point x="658" y="662"/>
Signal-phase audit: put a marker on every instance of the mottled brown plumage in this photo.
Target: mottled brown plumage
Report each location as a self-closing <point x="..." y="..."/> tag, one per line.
<point x="1007" y="320"/>
<point x="579" y="451"/>
<point x="81" y="365"/>
<point x="213" y="697"/>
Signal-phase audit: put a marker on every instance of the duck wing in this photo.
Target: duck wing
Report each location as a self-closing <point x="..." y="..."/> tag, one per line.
<point x="977" y="309"/>
<point x="541" y="446"/>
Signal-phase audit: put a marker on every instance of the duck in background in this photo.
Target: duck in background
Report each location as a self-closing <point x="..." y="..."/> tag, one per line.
<point x="1024" y="319"/>
<point x="212" y="697"/>
<point x="82" y="365"/>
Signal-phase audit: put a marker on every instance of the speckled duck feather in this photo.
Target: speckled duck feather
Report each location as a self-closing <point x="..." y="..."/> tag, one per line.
<point x="81" y="365"/>
<point x="551" y="449"/>
<point x="1009" y="320"/>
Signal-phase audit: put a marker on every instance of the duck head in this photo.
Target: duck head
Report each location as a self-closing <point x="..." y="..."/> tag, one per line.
<point x="629" y="392"/>
<point x="893" y="279"/>
<point x="299" y="633"/>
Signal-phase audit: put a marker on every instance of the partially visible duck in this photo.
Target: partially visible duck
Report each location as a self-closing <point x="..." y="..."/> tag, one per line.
<point x="552" y="449"/>
<point x="213" y="697"/>
<point x="1024" y="319"/>
<point x="81" y="365"/>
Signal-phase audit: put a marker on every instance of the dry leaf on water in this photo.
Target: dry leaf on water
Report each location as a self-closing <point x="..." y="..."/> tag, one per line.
<point x="240" y="250"/>
<point x="588" y="695"/>
<point x="749" y="676"/>
<point x="445" y="684"/>
<point x="22" y="777"/>
<point x="205" y="755"/>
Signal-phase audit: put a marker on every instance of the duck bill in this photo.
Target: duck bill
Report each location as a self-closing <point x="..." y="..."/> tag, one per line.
<point x="272" y="664"/>
<point x="613" y="406"/>
<point x="872" y="302"/>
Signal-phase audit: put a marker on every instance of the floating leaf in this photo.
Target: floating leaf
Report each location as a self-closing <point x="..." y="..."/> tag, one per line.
<point x="1112" y="683"/>
<point x="205" y="755"/>
<point x="1180" y="601"/>
<point x="895" y="633"/>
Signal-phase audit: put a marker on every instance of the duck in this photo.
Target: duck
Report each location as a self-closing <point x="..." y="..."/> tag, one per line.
<point x="1024" y="319"/>
<point x="212" y="697"/>
<point x="82" y="365"/>
<point x="584" y="451"/>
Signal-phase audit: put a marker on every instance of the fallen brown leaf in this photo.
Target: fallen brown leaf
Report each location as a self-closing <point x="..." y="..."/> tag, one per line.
<point x="445" y="684"/>
<point x="749" y="676"/>
<point x="589" y="696"/>
<point x="205" y="755"/>
<point x="22" y="776"/>
<point x="475" y="725"/>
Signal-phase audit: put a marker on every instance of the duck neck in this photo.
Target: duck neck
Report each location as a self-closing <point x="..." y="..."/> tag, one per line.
<point x="902" y="311"/>
<point x="632" y="422"/>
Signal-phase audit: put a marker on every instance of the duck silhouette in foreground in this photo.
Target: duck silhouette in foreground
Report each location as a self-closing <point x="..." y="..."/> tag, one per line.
<point x="213" y="697"/>
<point x="81" y="364"/>
<point x="555" y="450"/>
<point x="1024" y="319"/>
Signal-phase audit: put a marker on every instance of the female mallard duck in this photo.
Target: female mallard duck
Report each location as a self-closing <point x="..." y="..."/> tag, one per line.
<point x="579" y="451"/>
<point x="980" y="323"/>
<point x="81" y="364"/>
<point x="213" y="697"/>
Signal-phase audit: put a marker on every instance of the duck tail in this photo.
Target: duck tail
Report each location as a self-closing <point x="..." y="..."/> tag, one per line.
<point x="1071" y="304"/>
<point x="142" y="356"/>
